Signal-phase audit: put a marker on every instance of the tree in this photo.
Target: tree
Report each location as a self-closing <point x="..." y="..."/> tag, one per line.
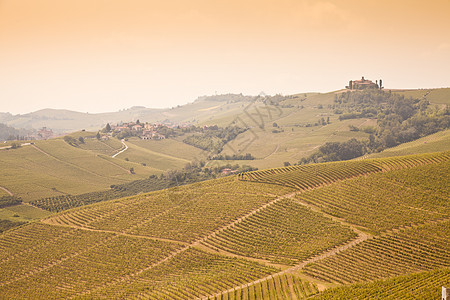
<point x="98" y="136"/>
<point x="107" y="128"/>
<point x="81" y="139"/>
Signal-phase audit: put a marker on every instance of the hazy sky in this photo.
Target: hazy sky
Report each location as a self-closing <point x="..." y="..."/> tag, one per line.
<point x="104" y="55"/>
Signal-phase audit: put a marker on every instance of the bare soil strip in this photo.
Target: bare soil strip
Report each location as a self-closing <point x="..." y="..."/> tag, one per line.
<point x="121" y="151"/>
<point x="7" y="191"/>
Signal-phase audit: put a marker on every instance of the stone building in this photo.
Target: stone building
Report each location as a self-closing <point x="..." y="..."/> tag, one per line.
<point x="363" y="84"/>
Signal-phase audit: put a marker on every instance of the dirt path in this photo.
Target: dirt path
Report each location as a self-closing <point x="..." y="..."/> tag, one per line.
<point x="129" y="276"/>
<point x="121" y="151"/>
<point x="274" y="151"/>
<point x="198" y="244"/>
<point x="71" y="164"/>
<point x="359" y="239"/>
<point x="49" y="222"/>
<point x="56" y="262"/>
<point x="42" y="151"/>
<point x="6" y="190"/>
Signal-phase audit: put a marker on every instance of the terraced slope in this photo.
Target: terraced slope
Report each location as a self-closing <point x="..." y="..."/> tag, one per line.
<point x="424" y="285"/>
<point x="310" y="176"/>
<point x="241" y="239"/>
<point x="191" y="274"/>
<point x="286" y="232"/>
<point x="406" y="250"/>
<point x="43" y="261"/>
<point x="277" y="287"/>
<point x="387" y="200"/>
<point x="184" y="213"/>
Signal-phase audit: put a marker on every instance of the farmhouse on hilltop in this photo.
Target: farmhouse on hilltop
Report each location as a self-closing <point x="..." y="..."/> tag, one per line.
<point x="363" y="84"/>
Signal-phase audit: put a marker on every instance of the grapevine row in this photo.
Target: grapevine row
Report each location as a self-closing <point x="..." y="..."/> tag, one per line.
<point x="285" y="232"/>
<point x="423" y="285"/>
<point x="407" y="250"/>
<point x="286" y="286"/>
<point x="309" y="176"/>
<point x="387" y="200"/>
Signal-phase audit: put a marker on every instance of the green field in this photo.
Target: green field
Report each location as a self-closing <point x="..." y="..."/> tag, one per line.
<point x="143" y="155"/>
<point x="52" y="168"/>
<point x="436" y="96"/>
<point x="169" y="147"/>
<point x="298" y="135"/>
<point x="293" y="232"/>
<point x="23" y="213"/>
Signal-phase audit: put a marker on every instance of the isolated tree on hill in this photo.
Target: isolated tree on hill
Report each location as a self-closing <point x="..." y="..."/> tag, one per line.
<point x="98" y="135"/>
<point x="108" y="128"/>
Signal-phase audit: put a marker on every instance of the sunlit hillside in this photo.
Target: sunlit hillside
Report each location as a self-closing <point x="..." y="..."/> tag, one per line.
<point x="292" y="232"/>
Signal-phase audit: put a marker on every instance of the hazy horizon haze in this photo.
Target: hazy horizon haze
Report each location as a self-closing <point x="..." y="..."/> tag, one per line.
<point x="105" y="55"/>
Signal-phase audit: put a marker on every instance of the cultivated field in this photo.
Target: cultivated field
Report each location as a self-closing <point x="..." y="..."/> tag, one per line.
<point x="294" y="232"/>
<point x="53" y="168"/>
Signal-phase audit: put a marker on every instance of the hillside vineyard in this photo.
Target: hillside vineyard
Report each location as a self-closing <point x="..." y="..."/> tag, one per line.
<point x="364" y="229"/>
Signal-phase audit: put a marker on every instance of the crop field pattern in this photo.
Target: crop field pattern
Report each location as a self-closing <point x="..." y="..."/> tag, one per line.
<point x="286" y="233"/>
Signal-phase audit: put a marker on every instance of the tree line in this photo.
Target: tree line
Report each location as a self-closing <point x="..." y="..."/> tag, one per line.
<point x="399" y="120"/>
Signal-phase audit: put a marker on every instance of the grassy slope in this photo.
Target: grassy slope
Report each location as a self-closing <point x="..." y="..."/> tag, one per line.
<point x="294" y="142"/>
<point x="437" y="96"/>
<point x="23" y="213"/>
<point x="169" y="147"/>
<point x="151" y="158"/>
<point x="60" y="168"/>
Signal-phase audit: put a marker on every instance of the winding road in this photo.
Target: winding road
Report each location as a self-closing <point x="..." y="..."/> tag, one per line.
<point x="121" y="151"/>
<point x="6" y="190"/>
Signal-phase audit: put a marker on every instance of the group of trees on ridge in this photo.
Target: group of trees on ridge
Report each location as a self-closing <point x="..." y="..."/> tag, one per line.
<point x="213" y="138"/>
<point x="399" y="120"/>
<point x="8" y="133"/>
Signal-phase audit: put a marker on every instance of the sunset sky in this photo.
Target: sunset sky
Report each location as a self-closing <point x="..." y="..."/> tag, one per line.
<point x="106" y="55"/>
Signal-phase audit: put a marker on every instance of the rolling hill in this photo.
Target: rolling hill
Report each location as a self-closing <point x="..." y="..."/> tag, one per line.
<point x="219" y="109"/>
<point x="293" y="232"/>
<point x="53" y="167"/>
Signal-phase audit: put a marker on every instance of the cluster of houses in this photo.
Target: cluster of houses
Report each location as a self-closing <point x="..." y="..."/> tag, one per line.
<point x="145" y="131"/>
<point x="43" y="134"/>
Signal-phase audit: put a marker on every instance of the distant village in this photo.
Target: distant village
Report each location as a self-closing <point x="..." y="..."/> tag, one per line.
<point x="145" y="131"/>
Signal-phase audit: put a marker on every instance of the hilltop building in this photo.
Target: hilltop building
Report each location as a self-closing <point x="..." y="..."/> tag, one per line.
<point x="44" y="133"/>
<point x="363" y="84"/>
